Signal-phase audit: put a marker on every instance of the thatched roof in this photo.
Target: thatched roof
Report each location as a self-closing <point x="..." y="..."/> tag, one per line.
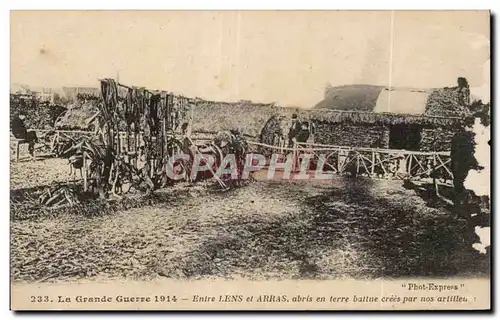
<point x="209" y="116"/>
<point x="75" y="118"/>
<point x="248" y="117"/>
<point x="382" y="118"/>
<point x="380" y="99"/>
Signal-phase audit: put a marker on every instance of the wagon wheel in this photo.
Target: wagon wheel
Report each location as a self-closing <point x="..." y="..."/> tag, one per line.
<point x="212" y="150"/>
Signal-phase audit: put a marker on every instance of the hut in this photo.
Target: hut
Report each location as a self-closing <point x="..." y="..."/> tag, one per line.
<point x="396" y="118"/>
<point x="249" y="117"/>
<point x="77" y="115"/>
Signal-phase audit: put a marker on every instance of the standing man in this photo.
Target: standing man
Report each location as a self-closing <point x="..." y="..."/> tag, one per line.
<point x="294" y="128"/>
<point x="463" y="92"/>
<point x="20" y="131"/>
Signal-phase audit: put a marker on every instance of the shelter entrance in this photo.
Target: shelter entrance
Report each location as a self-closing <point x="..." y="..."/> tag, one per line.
<point x="405" y="136"/>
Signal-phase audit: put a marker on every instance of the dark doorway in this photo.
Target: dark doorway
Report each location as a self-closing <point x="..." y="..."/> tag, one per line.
<point x="404" y="136"/>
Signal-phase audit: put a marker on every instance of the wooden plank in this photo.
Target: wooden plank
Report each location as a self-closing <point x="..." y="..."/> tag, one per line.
<point x="268" y="146"/>
<point x="389" y="151"/>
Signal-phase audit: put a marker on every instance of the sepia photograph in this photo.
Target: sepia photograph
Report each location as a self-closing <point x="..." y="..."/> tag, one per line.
<point x="256" y="160"/>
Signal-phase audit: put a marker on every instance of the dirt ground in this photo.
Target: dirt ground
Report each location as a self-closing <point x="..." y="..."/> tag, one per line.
<point x="343" y="228"/>
<point x="28" y="174"/>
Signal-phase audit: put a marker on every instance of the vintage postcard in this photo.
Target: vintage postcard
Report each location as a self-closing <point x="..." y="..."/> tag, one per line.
<point x="250" y="160"/>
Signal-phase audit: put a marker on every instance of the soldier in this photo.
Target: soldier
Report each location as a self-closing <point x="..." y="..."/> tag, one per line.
<point x="294" y="129"/>
<point x="303" y="132"/>
<point x="20" y="131"/>
<point x="462" y="161"/>
<point x="463" y="92"/>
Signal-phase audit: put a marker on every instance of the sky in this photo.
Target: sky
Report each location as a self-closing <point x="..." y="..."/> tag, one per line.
<point x="267" y="56"/>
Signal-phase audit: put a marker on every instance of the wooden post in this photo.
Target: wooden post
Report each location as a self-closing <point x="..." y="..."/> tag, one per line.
<point x="136" y="144"/>
<point x="118" y="141"/>
<point x="190" y="124"/>
<point x="164" y="135"/>
<point x="437" y="187"/>
<point x="295" y="155"/>
<point x="85" y="172"/>
<point x="17" y="151"/>
<point x="339" y="165"/>
<point x="402" y="164"/>
<point x="433" y="162"/>
<point x="357" y="163"/>
<point x="128" y="138"/>
<point x="409" y="164"/>
<point x="152" y="168"/>
<point x="164" y="153"/>
<point x="433" y="175"/>
<point x="373" y="163"/>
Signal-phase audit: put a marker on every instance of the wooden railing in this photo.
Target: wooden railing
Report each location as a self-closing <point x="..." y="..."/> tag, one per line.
<point x="369" y="162"/>
<point x="378" y="163"/>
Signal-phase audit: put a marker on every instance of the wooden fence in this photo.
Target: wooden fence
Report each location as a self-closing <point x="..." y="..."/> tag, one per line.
<point x="369" y="162"/>
<point x="375" y="162"/>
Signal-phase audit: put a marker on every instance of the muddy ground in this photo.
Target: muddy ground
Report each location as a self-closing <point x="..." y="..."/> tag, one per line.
<point x="343" y="228"/>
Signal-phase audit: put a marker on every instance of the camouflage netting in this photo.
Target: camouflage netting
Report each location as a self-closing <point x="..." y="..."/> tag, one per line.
<point x="448" y="102"/>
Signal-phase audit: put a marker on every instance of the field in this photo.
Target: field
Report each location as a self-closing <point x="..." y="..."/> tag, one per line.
<point x="341" y="228"/>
